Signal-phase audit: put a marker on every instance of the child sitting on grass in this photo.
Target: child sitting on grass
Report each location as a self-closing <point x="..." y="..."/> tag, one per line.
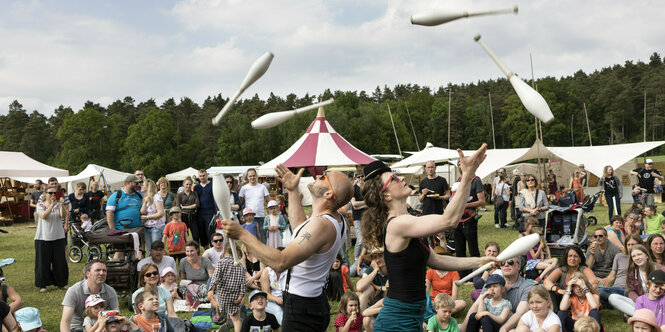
<point x="349" y="318"/>
<point x="169" y="283"/>
<point x="539" y="257"/>
<point x="494" y="310"/>
<point x="654" y="300"/>
<point x="147" y="319"/>
<point x="94" y="305"/>
<point x="442" y="321"/>
<point x="540" y="316"/>
<point x="259" y="320"/>
<point x="643" y="320"/>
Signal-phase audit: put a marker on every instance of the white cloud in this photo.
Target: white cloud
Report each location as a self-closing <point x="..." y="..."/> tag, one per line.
<point x="53" y="55"/>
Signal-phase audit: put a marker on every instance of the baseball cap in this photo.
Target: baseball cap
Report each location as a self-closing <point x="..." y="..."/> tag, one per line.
<point x="175" y="209"/>
<point x="272" y="203"/>
<point x="645" y="316"/>
<point x="248" y="211"/>
<point x="93" y="300"/>
<point x="157" y="244"/>
<point x="132" y="178"/>
<point x="657" y="276"/>
<point x="255" y="293"/>
<point x="28" y="317"/>
<point x="649" y="161"/>
<point x="495" y="279"/>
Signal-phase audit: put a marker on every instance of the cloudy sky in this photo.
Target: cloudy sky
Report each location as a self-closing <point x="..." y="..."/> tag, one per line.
<point x="67" y="52"/>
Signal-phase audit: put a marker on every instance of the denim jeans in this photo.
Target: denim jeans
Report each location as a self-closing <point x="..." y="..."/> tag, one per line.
<point x="151" y="234"/>
<point x="276" y="310"/>
<point x="263" y="232"/>
<point x="359" y="239"/>
<point x="610" y="204"/>
<point x="605" y="292"/>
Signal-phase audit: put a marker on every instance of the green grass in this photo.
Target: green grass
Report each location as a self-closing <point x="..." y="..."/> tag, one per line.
<point x="20" y="275"/>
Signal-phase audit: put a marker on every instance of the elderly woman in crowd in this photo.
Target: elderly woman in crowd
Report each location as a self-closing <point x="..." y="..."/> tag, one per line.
<point x="50" y="261"/>
<point x="573" y="260"/>
<point x="533" y="201"/>
<point x="188" y="201"/>
<point x="152" y="214"/>
<point x="149" y="280"/>
<point x="194" y="274"/>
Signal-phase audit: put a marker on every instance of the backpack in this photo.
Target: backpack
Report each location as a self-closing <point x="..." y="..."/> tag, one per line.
<point x="118" y="194"/>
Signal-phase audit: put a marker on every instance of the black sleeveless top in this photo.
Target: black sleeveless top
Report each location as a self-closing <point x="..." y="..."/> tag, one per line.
<point x="406" y="270"/>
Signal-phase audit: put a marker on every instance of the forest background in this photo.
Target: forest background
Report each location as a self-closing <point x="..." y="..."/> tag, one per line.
<point x="161" y="139"/>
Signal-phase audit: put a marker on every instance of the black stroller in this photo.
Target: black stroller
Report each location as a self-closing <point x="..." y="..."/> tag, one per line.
<point x="567" y="225"/>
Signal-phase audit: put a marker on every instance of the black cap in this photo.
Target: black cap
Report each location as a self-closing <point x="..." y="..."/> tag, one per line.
<point x="657" y="276"/>
<point x="495" y="279"/>
<point x="157" y="244"/>
<point x="375" y="168"/>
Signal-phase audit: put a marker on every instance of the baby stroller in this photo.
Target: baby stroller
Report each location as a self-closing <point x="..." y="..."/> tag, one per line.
<point x="121" y="275"/>
<point x="79" y="242"/>
<point x="567" y="225"/>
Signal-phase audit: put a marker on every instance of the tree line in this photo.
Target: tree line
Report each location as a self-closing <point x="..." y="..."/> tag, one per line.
<point x="161" y="139"/>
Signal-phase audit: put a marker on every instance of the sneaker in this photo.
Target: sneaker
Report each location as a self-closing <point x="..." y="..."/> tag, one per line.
<point x="504" y="226"/>
<point x="496" y="225"/>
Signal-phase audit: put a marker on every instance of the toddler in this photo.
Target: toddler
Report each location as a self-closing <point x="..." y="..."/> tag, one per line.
<point x="586" y="324"/>
<point x="250" y="225"/>
<point x="94" y="305"/>
<point x="540" y="315"/>
<point x="349" y="318"/>
<point x="442" y="321"/>
<point x="643" y="320"/>
<point x="259" y="320"/>
<point x="169" y="283"/>
<point x="494" y="308"/>
<point x="539" y="257"/>
<point x="275" y="223"/>
<point x="86" y="223"/>
<point x="227" y="285"/>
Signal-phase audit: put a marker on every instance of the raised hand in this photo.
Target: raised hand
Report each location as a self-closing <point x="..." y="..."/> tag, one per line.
<point x="288" y="179"/>
<point x="469" y="165"/>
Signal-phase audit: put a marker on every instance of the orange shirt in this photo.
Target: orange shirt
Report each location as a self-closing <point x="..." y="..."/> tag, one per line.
<point x="579" y="309"/>
<point x="441" y="284"/>
<point x="147" y="325"/>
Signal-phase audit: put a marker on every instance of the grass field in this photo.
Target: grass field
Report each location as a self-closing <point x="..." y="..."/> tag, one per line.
<point x="19" y="245"/>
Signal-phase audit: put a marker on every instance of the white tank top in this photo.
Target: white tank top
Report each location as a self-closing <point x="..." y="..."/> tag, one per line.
<point x="308" y="277"/>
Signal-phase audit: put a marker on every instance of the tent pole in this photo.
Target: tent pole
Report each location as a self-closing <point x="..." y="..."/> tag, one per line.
<point x="587" y="124"/>
<point x="394" y="131"/>
<point x="450" y="91"/>
<point x="411" y="122"/>
<point x="645" y="115"/>
<point x="492" y="119"/>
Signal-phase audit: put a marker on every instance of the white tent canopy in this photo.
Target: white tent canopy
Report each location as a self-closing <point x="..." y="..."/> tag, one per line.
<point x="114" y="178"/>
<point x="17" y="164"/>
<point x="182" y="174"/>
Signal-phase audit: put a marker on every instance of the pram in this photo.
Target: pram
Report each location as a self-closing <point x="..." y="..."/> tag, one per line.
<point x="567" y="225"/>
<point x="79" y="242"/>
<point x="121" y="275"/>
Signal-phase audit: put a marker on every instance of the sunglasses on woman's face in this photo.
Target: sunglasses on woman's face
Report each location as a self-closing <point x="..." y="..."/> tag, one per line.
<point x="51" y="192"/>
<point x="393" y="177"/>
<point x="151" y="274"/>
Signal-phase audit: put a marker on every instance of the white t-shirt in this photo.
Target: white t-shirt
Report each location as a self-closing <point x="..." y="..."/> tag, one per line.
<point x="530" y="319"/>
<point x="213" y="255"/>
<point x="254" y="198"/>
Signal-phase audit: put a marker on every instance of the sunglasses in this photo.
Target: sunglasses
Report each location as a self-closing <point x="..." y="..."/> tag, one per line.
<point x="360" y="176"/>
<point x="51" y="192"/>
<point x="529" y="180"/>
<point x="508" y="262"/>
<point x="393" y="177"/>
<point x="330" y="186"/>
<point x="229" y="182"/>
<point x="217" y="241"/>
<point x="598" y="236"/>
<point x="151" y="274"/>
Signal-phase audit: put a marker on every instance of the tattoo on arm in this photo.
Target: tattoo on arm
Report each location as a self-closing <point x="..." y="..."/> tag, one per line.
<point x="305" y="236"/>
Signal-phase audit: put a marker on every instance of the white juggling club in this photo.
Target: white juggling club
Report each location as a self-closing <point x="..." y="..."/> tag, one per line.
<point x="531" y="99"/>
<point x="273" y="119"/>
<point x="258" y="68"/>
<point x="441" y="16"/>
<point x="222" y="196"/>
<point x="518" y="248"/>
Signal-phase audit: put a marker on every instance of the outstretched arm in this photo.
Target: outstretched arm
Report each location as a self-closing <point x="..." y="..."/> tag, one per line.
<point x="291" y="181"/>
<point x="407" y="226"/>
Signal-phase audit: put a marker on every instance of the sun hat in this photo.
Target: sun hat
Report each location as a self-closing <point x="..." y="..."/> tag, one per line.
<point x="93" y="300"/>
<point x="248" y="211"/>
<point x="167" y="270"/>
<point x="272" y="203"/>
<point x="28" y="317"/>
<point x="645" y="316"/>
<point x="495" y="279"/>
<point x="371" y="252"/>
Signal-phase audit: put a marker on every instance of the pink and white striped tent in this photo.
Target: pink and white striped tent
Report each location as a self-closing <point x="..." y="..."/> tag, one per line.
<point x="320" y="146"/>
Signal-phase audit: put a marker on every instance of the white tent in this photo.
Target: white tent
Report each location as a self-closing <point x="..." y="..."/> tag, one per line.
<point x="182" y="174"/>
<point x="115" y="179"/>
<point x="17" y="164"/>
